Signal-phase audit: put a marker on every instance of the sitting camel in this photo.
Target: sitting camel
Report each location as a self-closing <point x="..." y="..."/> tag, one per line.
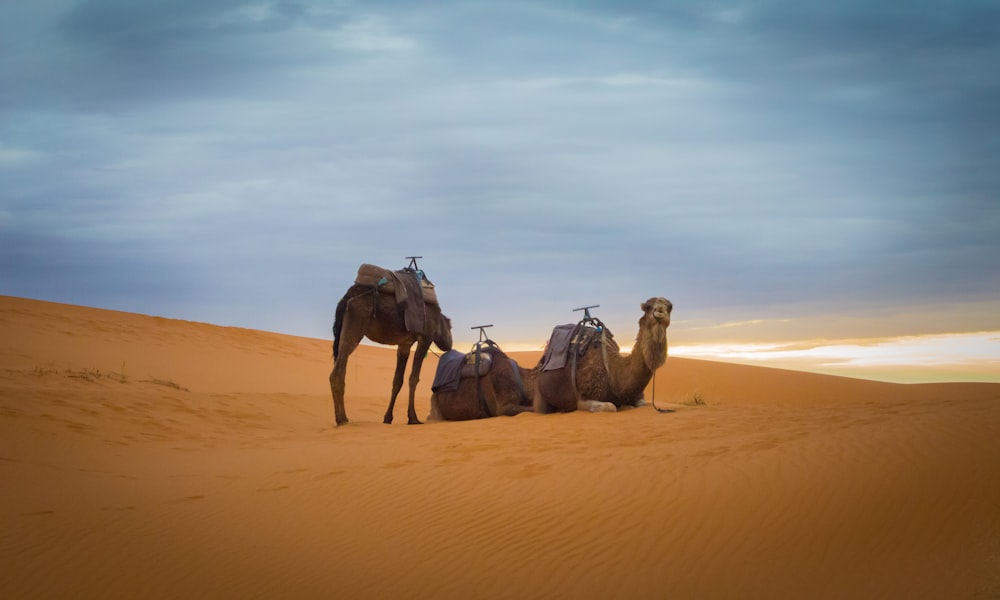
<point x="604" y="379"/>
<point x="500" y="388"/>
<point x="370" y="310"/>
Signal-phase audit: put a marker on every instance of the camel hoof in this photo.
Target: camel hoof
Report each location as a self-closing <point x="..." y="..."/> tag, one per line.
<point x="387" y="420"/>
<point x="414" y="422"/>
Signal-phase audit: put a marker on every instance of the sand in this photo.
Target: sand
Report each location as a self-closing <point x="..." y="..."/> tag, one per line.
<point x="156" y="458"/>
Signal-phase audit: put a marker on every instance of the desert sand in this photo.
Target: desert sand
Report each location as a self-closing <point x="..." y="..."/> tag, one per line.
<point x="144" y="457"/>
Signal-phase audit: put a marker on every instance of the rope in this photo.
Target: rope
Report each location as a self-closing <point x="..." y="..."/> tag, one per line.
<point x="658" y="409"/>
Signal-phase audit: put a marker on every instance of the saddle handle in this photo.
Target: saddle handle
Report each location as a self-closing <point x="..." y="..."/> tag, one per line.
<point x="586" y="311"/>
<point x="413" y="262"/>
<point x="482" y="331"/>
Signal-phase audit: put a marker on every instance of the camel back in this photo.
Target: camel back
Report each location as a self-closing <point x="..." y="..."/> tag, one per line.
<point x="387" y="281"/>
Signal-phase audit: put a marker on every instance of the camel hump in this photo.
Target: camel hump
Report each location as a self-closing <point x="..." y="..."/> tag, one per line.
<point x="386" y="281"/>
<point x="375" y="275"/>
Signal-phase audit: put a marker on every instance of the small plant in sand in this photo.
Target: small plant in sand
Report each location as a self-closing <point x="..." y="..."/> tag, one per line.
<point x="167" y="383"/>
<point x="696" y="400"/>
<point x="86" y="374"/>
<point x="93" y="375"/>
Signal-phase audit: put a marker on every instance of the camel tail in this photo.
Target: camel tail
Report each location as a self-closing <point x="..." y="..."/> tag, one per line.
<point x="338" y="323"/>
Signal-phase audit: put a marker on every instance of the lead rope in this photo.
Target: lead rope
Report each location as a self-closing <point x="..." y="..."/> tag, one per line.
<point x="658" y="409"/>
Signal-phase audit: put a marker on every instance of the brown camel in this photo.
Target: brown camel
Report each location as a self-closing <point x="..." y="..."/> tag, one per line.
<point x="502" y="390"/>
<point x="621" y="382"/>
<point x="364" y="311"/>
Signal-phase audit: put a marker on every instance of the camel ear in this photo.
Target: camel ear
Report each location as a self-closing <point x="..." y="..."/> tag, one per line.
<point x="645" y="306"/>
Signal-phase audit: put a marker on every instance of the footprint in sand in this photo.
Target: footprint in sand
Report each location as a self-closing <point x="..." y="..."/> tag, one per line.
<point x="331" y="474"/>
<point x="398" y="464"/>
<point x="276" y="488"/>
<point x="188" y="499"/>
<point x="532" y="470"/>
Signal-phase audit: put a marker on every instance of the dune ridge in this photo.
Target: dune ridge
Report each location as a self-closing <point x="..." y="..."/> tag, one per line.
<point x="150" y="457"/>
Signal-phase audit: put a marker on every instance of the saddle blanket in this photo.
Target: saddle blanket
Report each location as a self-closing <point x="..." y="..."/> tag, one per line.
<point x="557" y="349"/>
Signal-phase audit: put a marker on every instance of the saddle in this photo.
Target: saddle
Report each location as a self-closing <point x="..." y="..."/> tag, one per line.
<point x="397" y="282"/>
<point x="570" y="341"/>
<point x="410" y="286"/>
<point x="453" y="366"/>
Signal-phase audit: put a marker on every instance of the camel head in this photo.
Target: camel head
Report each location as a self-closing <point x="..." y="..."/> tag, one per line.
<point x="442" y="333"/>
<point x="653" y="331"/>
<point x="657" y="309"/>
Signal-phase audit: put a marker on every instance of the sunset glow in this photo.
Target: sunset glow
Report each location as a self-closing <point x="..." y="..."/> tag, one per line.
<point x="903" y="359"/>
<point x="965" y="356"/>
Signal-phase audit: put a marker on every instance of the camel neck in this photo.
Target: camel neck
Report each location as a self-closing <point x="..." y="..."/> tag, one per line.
<point x="635" y="370"/>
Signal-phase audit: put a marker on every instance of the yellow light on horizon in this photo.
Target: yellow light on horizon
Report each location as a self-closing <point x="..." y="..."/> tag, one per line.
<point x="976" y="353"/>
<point x="933" y="357"/>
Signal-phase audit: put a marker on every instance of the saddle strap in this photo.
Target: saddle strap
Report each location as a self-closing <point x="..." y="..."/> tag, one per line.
<point x="479" y="385"/>
<point x="572" y="363"/>
<point x="517" y="378"/>
<point x="483" y="405"/>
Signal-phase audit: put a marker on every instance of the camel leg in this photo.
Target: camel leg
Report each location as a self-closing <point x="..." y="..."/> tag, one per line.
<point x="337" y="391"/>
<point x="351" y="333"/>
<point x="418" y="360"/>
<point x="512" y="410"/>
<point x="435" y="414"/>
<point x="538" y="403"/>
<point x="402" y="355"/>
<point x="595" y="406"/>
<point x="348" y="344"/>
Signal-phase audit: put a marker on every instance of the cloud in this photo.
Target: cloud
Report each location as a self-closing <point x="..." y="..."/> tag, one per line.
<point x="11" y="157"/>
<point x="770" y="161"/>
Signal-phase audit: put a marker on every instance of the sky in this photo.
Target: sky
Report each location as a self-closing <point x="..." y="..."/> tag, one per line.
<point x="792" y="175"/>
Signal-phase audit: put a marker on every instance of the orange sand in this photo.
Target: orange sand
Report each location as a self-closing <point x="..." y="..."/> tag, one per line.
<point x="211" y="469"/>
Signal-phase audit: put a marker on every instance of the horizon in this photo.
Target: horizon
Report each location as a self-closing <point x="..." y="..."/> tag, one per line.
<point x="970" y="357"/>
<point x="931" y="358"/>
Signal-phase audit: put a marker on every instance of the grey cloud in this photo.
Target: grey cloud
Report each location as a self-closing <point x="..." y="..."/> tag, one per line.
<point x="239" y="161"/>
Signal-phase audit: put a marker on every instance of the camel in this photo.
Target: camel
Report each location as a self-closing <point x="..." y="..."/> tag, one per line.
<point x="620" y="382"/>
<point x="364" y="311"/>
<point x="502" y="390"/>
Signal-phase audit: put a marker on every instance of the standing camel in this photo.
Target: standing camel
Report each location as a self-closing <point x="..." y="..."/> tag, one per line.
<point x="606" y="380"/>
<point x="501" y="390"/>
<point x="365" y="311"/>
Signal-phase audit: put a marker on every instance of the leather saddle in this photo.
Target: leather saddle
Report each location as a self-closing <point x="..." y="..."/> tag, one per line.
<point x="571" y="341"/>
<point x="453" y="366"/>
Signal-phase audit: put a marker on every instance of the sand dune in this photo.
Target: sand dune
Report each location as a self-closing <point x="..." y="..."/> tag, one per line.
<point x="148" y="457"/>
